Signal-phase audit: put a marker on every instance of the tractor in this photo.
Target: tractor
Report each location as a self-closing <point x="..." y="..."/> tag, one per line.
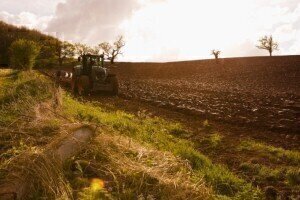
<point x="92" y="76"/>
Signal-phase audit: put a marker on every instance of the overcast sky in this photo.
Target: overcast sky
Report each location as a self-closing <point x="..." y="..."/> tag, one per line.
<point x="165" y="30"/>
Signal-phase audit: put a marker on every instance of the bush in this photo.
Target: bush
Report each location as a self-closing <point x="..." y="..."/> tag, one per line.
<point x="23" y="54"/>
<point x="45" y="63"/>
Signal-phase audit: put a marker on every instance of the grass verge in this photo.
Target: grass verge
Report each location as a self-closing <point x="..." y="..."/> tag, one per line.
<point x="134" y="156"/>
<point x="157" y="133"/>
<point x="273" y="153"/>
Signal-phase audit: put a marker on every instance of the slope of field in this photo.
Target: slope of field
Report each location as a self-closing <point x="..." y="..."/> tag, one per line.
<point x="261" y="92"/>
<point x="131" y="157"/>
<point x="250" y="87"/>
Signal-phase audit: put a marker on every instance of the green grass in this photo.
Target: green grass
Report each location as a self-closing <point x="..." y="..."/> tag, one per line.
<point x="286" y="174"/>
<point x="20" y="92"/>
<point x="212" y="140"/>
<point x="23" y="135"/>
<point x="23" y="90"/>
<point x="158" y="133"/>
<point x="207" y="127"/>
<point x="293" y="177"/>
<point x="5" y="80"/>
<point x="273" y="153"/>
<point x="263" y="173"/>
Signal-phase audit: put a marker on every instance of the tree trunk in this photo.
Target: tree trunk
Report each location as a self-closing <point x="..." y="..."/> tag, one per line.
<point x="270" y="53"/>
<point x="60" y="61"/>
<point x="112" y="60"/>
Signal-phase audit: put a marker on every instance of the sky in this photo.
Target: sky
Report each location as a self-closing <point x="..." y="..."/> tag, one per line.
<point x="165" y="30"/>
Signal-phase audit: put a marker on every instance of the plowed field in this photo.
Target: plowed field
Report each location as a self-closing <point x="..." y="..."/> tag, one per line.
<point x="261" y="92"/>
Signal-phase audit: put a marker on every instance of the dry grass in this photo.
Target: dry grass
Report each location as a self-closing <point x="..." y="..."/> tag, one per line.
<point x="27" y="124"/>
<point x="159" y="134"/>
<point x="132" y="170"/>
<point x="33" y="174"/>
<point x="133" y="158"/>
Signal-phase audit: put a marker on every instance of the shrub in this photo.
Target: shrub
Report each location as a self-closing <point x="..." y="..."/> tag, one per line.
<point x="23" y="54"/>
<point x="45" y="63"/>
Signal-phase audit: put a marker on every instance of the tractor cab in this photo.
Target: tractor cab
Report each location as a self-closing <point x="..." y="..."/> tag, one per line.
<point x="89" y="61"/>
<point x="99" y="77"/>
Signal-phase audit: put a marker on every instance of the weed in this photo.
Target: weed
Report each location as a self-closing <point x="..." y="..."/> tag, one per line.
<point x="179" y="131"/>
<point x="16" y="150"/>
<point x="207" y="126"/>
<point x="289" y="175"/>
<point x="212" y="140"/>
<point x="293" y="177"/>
<point x="293" y="157"/>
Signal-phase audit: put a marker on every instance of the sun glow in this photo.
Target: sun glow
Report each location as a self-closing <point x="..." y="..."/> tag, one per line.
<point x="166" y="30"/>
<point x="97" y="184"/>
<point x="176" y="30"/>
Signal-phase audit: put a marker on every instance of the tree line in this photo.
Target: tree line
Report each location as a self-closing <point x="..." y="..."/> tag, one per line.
<point x="50" y="51"/>
<point x="65" y="50"/>
<point x="47" y="50"/>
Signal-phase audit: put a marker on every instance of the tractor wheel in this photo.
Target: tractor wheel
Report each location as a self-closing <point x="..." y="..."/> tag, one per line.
<point x="80" y="85"/>
<point x="83" y="85"/>
<point x="114" y="85"/>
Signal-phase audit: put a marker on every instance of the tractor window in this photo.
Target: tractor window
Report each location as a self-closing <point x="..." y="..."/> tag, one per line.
<point x="93" y="61"/>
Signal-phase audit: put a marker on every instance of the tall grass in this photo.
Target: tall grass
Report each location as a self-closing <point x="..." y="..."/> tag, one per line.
<point x="134" y="171"/>
<point x="157" y="133"/>
<point x="20" y="92"/>
<point x="23" y="167"/>
<point x="26" y="89"/>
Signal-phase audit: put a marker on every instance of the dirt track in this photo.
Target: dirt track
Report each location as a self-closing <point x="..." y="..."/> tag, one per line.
<point x="258" y="92"/>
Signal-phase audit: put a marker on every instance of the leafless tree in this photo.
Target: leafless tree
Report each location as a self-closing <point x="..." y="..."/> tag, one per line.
<point x="81" y="49"/>
<point x="95" y="50"/>
<point x="216" y="53"/>
<point x="112" y="51"/>
<point x="268" y="43"/>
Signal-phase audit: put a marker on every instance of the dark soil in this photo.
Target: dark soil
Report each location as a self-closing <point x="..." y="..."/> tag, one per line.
<point x="260" y="92"/>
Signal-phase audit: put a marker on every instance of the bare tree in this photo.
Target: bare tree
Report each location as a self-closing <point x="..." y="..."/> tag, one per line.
<point x="112" y="51"/>
<point x="95" y="50"/>
<point x="216" y="53"/>
<point x="82" y="49"/>
<point x="267" y="43"/>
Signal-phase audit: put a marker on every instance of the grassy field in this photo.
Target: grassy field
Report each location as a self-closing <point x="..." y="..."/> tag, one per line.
<point x="133" y="156"/>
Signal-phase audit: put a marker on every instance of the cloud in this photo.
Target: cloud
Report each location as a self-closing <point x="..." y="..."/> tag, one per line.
<point x="27" y="19"/>
<point x="180" y="30"/>
<point x="91" y="21"/>
<point x="165" y="30"/>
<point x="38" y="7"/>
<point x="30" y="13"/>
